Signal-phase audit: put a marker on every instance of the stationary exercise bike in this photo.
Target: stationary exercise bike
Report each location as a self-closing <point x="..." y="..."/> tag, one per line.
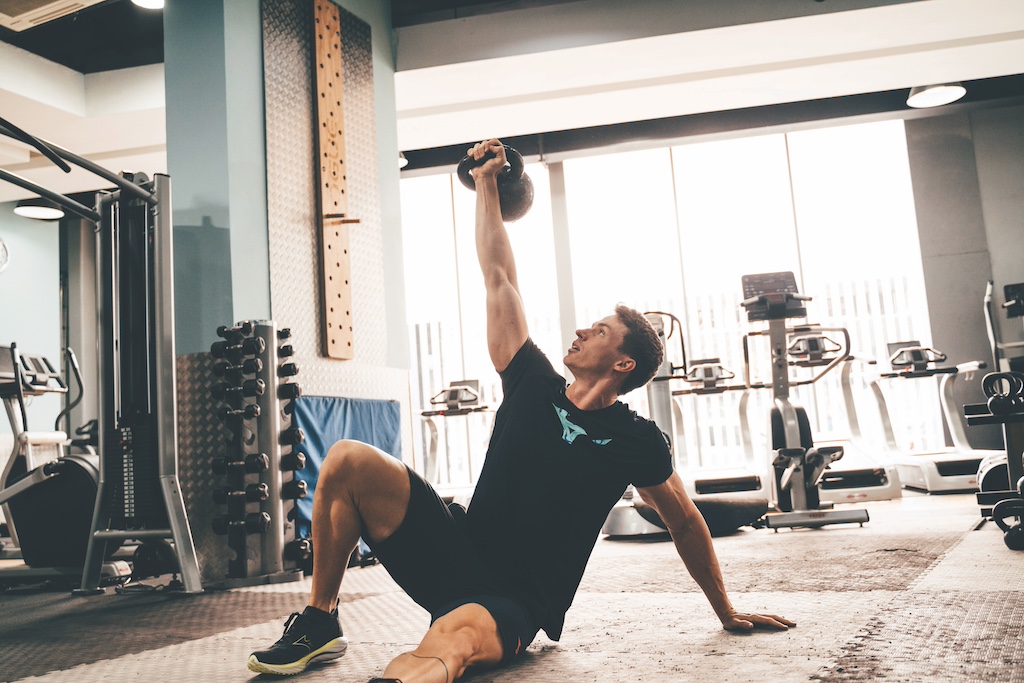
<point x="797" y="465"/>
<point x="48" y="493"/>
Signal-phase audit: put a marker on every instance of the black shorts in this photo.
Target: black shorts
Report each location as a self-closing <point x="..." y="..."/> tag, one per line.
<point x="433" y="560"/>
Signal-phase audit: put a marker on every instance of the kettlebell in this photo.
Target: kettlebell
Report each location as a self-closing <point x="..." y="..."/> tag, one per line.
<point x="515" y="189"/>
<point x="1005" y="392"/>
<point x="1013" y="534"/>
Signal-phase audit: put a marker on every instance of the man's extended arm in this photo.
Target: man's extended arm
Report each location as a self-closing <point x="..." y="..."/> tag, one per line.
<point x="693" y="543"/>
<point x="506" y="321"/>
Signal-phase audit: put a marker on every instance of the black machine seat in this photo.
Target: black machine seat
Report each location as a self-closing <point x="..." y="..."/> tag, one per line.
<point x="53" y="516"/>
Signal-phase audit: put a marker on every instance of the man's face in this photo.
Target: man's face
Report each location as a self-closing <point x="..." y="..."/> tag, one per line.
<point x="597" y="348"/>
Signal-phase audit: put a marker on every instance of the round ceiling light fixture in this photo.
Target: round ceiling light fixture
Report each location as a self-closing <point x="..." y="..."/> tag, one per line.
<point x="39" y="209"/>
<point x="924" y="96"/>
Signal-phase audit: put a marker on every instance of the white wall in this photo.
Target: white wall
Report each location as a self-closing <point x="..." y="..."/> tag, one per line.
<point x="30" y="301"/>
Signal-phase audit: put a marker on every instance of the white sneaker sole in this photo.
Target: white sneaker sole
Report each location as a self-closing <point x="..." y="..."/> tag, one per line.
<point x="330" y="651"/>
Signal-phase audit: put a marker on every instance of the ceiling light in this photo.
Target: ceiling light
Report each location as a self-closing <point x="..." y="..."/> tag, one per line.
<point x="39" y="208"/>
<point x="150" y="4"/>
<point x="935" y="95"/>
<point x="402" y="161"/>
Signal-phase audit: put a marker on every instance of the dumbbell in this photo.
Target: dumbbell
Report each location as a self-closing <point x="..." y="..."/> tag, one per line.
<point x="249" y="366"/>
<point x="293" y="461"/>
<point x="298" y="550"/>
<point x="285" y="351"/>
<point x="289" y="391"/>
<point x="284" y="333"/>
<point x="292" y="436"/>
<point x="253" y="493"/>
<point x="248" y="388"/>
<point x="254" y="523"/>
<point x="249" y="412"/>
<point x="288" y="370"/>
<point x="253" y="463"/>
<point x="1005" y="392"/>
<point x="243" y="329"/>
<point x="294" y="489"/>
<point x="250" y="346"/>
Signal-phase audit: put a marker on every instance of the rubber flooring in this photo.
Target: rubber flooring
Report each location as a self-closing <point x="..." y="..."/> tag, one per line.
<point x="916" y="594"/>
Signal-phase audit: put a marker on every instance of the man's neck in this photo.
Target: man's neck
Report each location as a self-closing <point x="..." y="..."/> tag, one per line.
<point x="587" y="395"/>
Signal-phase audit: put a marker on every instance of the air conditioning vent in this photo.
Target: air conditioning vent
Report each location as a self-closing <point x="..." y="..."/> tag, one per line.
<point x="19" y="15"/>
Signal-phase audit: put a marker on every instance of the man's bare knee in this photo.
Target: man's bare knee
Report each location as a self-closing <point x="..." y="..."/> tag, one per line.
<point x="354" y="463"/>
<point x="373" y="482"/>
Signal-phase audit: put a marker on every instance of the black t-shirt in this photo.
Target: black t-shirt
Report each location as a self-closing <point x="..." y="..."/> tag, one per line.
<point x="551" y="475"/>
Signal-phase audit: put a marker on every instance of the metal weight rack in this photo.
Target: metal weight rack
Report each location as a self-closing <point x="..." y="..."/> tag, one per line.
<point x="257" y="393"/>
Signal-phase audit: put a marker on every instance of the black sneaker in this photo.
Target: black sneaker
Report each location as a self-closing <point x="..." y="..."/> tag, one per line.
<point x="313" y="636"/>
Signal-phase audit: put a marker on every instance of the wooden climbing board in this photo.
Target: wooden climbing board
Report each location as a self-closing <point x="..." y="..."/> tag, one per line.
<point x="335" y="270"/>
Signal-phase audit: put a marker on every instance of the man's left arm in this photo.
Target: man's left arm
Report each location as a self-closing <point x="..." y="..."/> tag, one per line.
<point x="693" y="543"/>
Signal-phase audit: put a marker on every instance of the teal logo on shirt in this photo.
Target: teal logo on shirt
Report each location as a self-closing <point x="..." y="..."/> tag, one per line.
<point x="570" y="430"/>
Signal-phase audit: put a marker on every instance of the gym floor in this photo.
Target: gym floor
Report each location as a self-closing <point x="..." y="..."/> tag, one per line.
<point x="917" y="594"/>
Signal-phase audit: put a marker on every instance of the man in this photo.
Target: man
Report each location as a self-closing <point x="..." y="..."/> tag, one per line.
<point x="559" y="459"/>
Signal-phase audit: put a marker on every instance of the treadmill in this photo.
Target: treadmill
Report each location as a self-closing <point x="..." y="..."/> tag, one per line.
<point x="950" y="469"/>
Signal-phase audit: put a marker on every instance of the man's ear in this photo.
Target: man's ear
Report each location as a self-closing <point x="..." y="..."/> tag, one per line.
<point x="627" y="364"/>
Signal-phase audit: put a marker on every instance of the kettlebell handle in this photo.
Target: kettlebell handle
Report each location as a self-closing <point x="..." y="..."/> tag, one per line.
<point x="514" y="170"/>
<point x="515" y="189"/>
<point x="1003" y="384"/>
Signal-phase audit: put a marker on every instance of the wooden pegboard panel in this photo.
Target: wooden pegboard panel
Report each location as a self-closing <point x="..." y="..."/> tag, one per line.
<point x="334" y="219"/>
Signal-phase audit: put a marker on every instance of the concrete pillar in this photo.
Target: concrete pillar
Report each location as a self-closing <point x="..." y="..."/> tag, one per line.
<point x="954" y="247"/>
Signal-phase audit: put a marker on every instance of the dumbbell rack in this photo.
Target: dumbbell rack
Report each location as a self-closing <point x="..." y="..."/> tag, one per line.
<point x="256" y="395"/>
<point x="1005" y="406"/>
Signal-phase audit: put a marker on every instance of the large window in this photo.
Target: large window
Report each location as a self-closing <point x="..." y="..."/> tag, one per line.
<point x="673" y="229"/>
<point x="861" y="259"/>
<point x="623" y="237"/>
<point x="446" y="313"/>
<point x="736" y="218"/>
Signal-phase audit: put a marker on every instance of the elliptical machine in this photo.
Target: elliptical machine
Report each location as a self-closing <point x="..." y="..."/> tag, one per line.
<point x="798" y="466"/>
<point x="47" y="492"/>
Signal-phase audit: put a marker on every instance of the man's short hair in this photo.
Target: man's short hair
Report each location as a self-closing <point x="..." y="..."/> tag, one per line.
<point x="642" y="344"/>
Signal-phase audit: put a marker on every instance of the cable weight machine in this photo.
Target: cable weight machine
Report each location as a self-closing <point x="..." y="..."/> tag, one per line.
<point x="138" y="492"/>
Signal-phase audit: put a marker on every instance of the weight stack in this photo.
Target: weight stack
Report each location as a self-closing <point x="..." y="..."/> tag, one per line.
<point x="256" y="394"/>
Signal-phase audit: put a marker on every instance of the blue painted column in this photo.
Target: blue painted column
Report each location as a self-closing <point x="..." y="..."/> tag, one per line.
<point x="213" y="61"/>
